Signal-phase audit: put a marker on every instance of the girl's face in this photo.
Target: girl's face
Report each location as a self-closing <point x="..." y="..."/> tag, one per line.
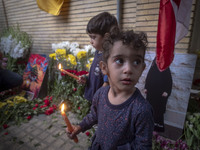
<point x="96" y="41"/>
<point x="124" y="67"/>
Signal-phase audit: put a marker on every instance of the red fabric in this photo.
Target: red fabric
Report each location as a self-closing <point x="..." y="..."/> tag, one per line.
<point x="173" y="23"/>
<point x="165" y="35"/>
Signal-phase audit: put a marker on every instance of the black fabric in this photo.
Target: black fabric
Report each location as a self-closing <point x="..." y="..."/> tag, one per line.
<point x="9" y="79"/>
<point x="156" y="84"/>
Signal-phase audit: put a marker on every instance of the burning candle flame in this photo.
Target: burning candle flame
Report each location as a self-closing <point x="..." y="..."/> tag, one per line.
<point x="62" y="108"/>
<point x="59" y="66"/>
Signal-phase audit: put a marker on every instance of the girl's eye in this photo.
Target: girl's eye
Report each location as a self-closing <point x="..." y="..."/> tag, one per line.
<point x="92" y="37"/>
<point x="137" y="62"/>
<point x="119" y="61"/>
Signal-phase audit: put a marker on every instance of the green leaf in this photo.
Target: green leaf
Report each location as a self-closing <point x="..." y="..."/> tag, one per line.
<point x="49" y="127"/>
<point x="56" y="135"/>
<point x="21" y="142"/>
<point x="190" y="140"/>
<point x="37" y="144"/>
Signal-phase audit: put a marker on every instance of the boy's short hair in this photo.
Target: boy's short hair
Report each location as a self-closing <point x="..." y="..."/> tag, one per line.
<point x="101" y="23"/>
<point x="137" y="41"/>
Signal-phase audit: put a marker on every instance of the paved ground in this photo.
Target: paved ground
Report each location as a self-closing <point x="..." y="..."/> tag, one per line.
<point x="42" y="133"/>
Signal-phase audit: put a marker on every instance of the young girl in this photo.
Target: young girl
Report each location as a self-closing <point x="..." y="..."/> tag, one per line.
<point x="124" y="117"/>
<point x="98" y="29"/>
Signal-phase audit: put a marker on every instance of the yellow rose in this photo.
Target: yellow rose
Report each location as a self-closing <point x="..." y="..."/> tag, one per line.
<point x="61" y="53"/>
<point x="81" y="54"/>
<point x="19" y="99"/>
<point x="53" y="55"/>
<point x="91" y="59"/>
<point x="72" y="59"/>
<point x="2" y="104"/>
<point x="10" y="103"/>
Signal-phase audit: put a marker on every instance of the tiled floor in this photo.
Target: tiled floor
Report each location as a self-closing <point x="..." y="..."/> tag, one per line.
<point x="42" y="133"/>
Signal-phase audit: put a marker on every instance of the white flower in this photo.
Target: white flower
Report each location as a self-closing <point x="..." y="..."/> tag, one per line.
<point x="75" y="51"/>
<point x="18" y="51"/>
<point x="90" y="49"/>
<point x="2" y="44"/>
<point x="74" y="45"/>
<point x="8" y="42"/>
<point x="62" y="45"/>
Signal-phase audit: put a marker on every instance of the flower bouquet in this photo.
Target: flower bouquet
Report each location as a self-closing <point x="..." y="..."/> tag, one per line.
<point x="76" y="61"/>
<point x="15" y="45"/>
<point x="18" y="109"/>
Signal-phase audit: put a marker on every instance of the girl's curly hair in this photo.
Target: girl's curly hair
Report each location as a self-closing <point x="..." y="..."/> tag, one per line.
<point x="137" y="41"/>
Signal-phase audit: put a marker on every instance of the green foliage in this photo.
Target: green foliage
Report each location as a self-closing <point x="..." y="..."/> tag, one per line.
<point x="15" y="46"/>
<point x="18" y="112"/>
<point x="192" y="130"/>
<point x="19" y="35"/>
<point x="66" y="88"/>
<point x="18" y="109"/>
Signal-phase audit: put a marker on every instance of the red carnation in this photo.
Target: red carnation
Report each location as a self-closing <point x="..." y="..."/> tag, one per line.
<point x="5" y="126"/>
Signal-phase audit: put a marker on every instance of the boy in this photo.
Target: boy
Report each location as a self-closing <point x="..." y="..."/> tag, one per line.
<point x="98" y="29"/>
<point x="124" y="117"/>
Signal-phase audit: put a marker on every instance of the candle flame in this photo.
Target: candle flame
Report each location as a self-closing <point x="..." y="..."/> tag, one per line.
<point x="62" y="108"/>
<point x="59" y="66"/>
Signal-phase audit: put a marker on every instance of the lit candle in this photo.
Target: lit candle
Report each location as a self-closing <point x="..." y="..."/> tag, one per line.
<point x="68" y="122"/>
<point x="68" y="73"/>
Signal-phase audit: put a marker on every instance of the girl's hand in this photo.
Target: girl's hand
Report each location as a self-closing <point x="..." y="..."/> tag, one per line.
<point x="82" y="79"/>
<point x="165" y="94"/>
<point x="77" y="130"/>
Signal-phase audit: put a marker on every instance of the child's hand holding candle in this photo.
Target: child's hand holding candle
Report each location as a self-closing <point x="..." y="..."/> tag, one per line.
<point x="68" y="73"/>
<point x="69" y="126"/>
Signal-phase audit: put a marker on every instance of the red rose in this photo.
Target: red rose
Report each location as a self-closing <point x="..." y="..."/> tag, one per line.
<point x="80" y="73"/>
<point x="87" y="133"/>
<point x="5" y="126"/>
<point x="49" y="111"/>
<point x="29" y="117"/>
<point x="54" y="106"/>
<point x="51" y="98"/>
<point x="34" y="108"/>
<point x="79" y="108"/>
<point x="42" y="106"/>
<point x="62" y="74"/>
<point x="75" y="89"/>
<point x="6" y="133"/>
<point x="36" y="105"/>
<point x="46" y="101"/>
<point x="51" y="108"/>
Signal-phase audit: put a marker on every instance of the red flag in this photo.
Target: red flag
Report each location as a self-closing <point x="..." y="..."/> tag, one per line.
<point x="173" y="23"/>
